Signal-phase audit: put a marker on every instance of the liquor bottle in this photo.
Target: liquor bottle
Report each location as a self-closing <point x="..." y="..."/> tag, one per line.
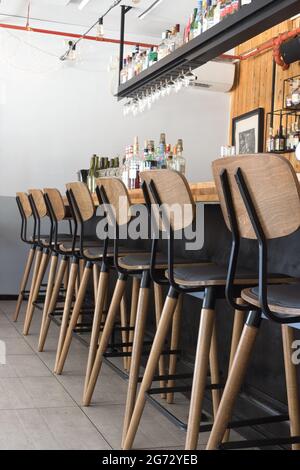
<point x="217" y="12"/>
<point x="163" y="47"/>
<point x="124" y="72"/>
<point x="91" y="175"/>
<point x="228" y="7"/>
<point x="270" y="141"/>
<point x="280" y="140"/>
<point x="234" y="6"/>
<point x="125" y="169"/>
<point x="152" y="56"/>
<point x="222" y="9"/>
<point x="296" y="135"/>
<point x="97" y="166"/>
<point x="161" y="157"/>
<point x="179" y="163"/>
<point x="194" y="25"/>
<point x="134" y="166"/>
<point x="187" y="30"/>
<point x="205" y="16"/>
<point x="169" y="158"/>
<point x="289" y="138"/>
<point x="178" y="37"/>
<point x="198" y="21"/>
<point x="210" y="13"/>
<point x="151" y="158"/>
<point x="130" y="70"/>
<point x="101" y="167"/>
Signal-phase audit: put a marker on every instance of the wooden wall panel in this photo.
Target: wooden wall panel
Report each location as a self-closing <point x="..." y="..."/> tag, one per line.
<point x="254" y="83"/>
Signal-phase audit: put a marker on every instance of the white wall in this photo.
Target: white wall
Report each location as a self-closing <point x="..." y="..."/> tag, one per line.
<point x="54" y="115"/>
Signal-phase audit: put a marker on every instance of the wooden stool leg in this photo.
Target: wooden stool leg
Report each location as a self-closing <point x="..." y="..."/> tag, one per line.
<point x="52" y="304"/>
<point x="74" y="317"/>
<point x="106" y="334"/>
<point x="37" y="285"/>
<point x="291" y="383"/>
<point x="67" y="309"/>
<point x="158" y="300"/>
<point x="214" y="370"/>
<point x="124" y="323"/>
<point x="50" y="286"/>
<point x="133" y="310"/>
<point x="98" y="315"/>
<point x="174" y="345"/>
<point x="238" y="325"/>
<point x="137" y="349"/>
<point x="206" y="327"/>
<point x="235" y="379"/>
<point x="155" y="353"/>
<point x="24" y="281"/>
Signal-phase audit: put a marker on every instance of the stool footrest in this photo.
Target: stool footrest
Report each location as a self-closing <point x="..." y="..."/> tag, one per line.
<point x="159" y="378"/>
<point x="260" y="443"/>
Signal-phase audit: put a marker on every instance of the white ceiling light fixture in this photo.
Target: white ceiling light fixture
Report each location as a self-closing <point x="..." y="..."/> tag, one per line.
<point x="83" y="4"/>
<point x="150" y="8"/>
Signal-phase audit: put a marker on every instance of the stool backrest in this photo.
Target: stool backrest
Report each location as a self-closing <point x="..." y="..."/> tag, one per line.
<point x="57" y="203"/>
<point x="118" y="197"/>
<point x="83" y="199"/>
<point x="24" y="201"/>
<point x="38" y="199"/>
<point x="273" y="187"/>
<point x="173" y="190"/>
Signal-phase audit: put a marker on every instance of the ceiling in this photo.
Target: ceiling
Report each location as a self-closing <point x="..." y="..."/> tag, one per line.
<point x="64" y="14"/>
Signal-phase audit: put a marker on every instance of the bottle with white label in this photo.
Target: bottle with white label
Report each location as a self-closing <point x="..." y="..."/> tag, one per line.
<point x="134" y="166"/>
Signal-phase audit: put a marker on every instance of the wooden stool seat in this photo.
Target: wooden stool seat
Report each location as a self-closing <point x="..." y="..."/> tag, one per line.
<point x="283" y="299"/>
<point x="211" y="274"/>
<point x="141" y="261"/>
<point x="96" y="252"/>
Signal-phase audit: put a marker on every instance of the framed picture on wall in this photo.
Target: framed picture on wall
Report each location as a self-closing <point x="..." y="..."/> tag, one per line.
<point x="248" y="132"/>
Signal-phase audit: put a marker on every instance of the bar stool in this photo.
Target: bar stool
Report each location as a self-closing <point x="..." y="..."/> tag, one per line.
<point x="100" y="254"/>
<point x="114" y="195"/>
<point x="260" y="199"/>
<point x="63" y="246"/>
<point x="45" y="251"/>
<point x="169" y="189"/>
<point x="26" y="214"/>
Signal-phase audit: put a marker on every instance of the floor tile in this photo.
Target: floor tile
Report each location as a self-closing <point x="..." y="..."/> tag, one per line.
<point x="154" y="429"/>
<point x="8" y="331"/>
<point x="32" y="392"/>
<point x="110" y="388"/>
<point x="23" y="366"/>
<point x="17" y="345"/>
<point x="48" y="428"/>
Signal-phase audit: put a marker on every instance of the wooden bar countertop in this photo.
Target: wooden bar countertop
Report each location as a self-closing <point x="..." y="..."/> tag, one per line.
<point x="202" y="192"/>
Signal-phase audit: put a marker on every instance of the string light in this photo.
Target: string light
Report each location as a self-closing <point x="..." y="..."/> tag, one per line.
<point x="100" y="28"/>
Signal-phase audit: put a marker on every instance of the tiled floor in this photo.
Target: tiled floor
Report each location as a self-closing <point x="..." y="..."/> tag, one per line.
<point x="39" y="410"/>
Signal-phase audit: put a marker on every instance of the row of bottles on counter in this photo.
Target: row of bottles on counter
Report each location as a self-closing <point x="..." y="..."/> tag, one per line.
<point x="99" y="168"/>
<point x="207" y="14"/>
<point x="292" y="99"/>
<point x="151" y="157"/>
<point x="284" y="139"/>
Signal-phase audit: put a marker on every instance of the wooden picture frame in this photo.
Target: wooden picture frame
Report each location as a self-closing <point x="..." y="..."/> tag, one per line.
<point x="248" y="132"/>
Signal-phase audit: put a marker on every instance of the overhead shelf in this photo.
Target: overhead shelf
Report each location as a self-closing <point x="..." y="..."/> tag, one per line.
<point x="248" y="22"/>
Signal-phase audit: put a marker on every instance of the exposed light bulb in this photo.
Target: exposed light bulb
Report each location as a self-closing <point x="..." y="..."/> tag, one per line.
<point x="72" y="52"/>
<point x="100" y="28"/>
